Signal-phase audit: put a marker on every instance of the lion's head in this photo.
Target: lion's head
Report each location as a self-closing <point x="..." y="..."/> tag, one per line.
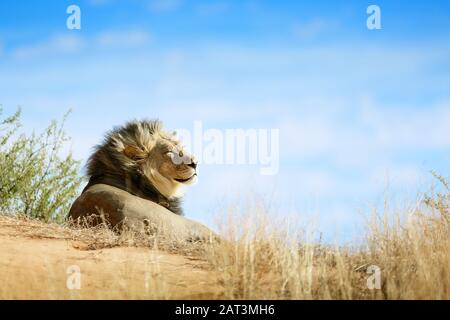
<point x="140" y="155"/>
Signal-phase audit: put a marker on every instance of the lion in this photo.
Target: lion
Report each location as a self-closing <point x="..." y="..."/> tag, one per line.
<point x="135" y="177"/>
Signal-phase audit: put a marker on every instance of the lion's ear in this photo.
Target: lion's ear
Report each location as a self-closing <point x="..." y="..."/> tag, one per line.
<point x="133" y="152"/>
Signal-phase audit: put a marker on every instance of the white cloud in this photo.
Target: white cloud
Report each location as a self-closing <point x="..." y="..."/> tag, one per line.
<point x="313" y="28"/>
<point x="425" y="127"/>
<point x="323" y="135"/>
<point x="55" y="45"/>
<point x="129" y="38"/>
<point x="365" y="136"/>
<point x="69" y="44"/>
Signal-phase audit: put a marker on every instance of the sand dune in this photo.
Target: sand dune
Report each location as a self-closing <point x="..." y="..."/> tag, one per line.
<point x="36" y="262"/>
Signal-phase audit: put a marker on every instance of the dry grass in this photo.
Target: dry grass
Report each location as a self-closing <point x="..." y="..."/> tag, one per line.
<point x="411" y="250"/>
<point x="261" y="261"/>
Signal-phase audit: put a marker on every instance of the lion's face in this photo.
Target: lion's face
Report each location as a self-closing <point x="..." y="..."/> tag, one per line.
<point x="159" y="157"/>
<point x="172" y="161"/>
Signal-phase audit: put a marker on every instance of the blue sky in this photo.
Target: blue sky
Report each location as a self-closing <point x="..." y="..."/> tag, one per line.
<point x="355" y="107"/>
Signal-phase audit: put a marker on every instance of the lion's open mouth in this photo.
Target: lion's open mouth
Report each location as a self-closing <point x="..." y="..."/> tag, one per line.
<point x="186" y="180"/>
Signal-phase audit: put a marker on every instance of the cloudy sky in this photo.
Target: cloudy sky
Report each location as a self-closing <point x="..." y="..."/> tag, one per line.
<point x="356" y="109"/>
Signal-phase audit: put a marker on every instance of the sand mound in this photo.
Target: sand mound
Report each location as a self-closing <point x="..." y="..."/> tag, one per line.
<point x="41" y="261"/>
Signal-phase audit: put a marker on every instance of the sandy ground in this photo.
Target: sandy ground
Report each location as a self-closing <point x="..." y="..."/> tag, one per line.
<point x="37" y="265"/>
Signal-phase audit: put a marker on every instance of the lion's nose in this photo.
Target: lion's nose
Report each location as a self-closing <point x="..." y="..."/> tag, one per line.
<point x="193" y="164"/>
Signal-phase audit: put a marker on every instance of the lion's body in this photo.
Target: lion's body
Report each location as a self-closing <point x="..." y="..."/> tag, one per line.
<point x="136" y="186"/>
<point x="120" y="208"/>
<point x="135" y="175"/>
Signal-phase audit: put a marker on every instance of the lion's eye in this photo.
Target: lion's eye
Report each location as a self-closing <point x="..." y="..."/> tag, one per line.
<point x="180" y="154"/>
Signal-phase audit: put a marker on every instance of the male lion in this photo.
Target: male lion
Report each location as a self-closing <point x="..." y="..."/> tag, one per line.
<point x="135" y="177"/>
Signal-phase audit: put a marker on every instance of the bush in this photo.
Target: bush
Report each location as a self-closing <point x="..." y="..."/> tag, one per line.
<point x="34" y="179"/>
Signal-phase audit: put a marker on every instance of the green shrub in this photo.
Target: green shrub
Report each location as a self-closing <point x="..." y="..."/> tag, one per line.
<point x="34" y="179"/>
